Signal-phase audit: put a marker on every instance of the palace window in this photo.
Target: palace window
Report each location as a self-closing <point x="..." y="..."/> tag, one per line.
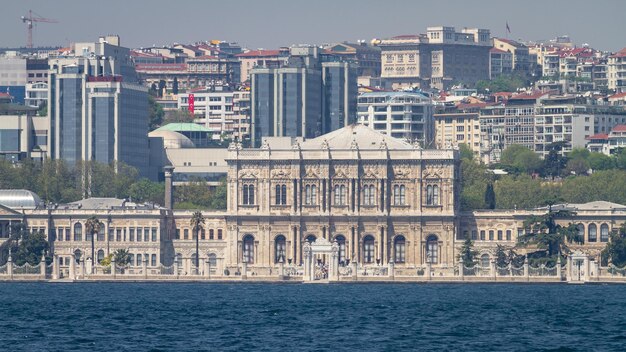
<point x="484" y="260"/>
<point x="310" y="195"/>
<point x="248" y="249"/>
<point x="432" y="195"/>
<point x="139" y="234"/>
<point x="153" y="260"/>
<point x="100" y="233"/>
<point x="604" y="233"/>
<point x="185" y="234"/>
<point x="213" y="260"/>
<point x="508" y="235"/>
<point x="281" y="194"/>
<point x="202" y="234"/>
<point x="341" y="241"/>
<point x="491" y="233"/>
<point x="78" y="232"/>
<point x="369" y="195"/>
<point x="499" y="235"/>
<point x="280" y="249"/>
<point x="368" y="249"/>
<point x="131" y="259"/>
<point x="340" y="195"/>
<point x="100" y="256"/>
<point x="399" y="195"/>
<point x="474" y="235"/>
<point x="399" y="247"/>
<point x="131" y="234"/>
<point x="138" y="259"/>
<point x="310" y="238"/>
<point x="248" y="195"/>
<point x="211" y="234"/>
<point x="593" y="233"/>
<point x="581" y="231"/>
<point x="432" y="249"/>
<point x="219" y="234"/>
<point x="154" y="234"/>
<point x="482" y="235"/>
<point x="118" y="235"/>
<point x="146" y="234"/>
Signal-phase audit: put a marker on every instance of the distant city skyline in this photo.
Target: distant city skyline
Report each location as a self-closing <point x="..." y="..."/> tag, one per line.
<point x="274" y="23"/>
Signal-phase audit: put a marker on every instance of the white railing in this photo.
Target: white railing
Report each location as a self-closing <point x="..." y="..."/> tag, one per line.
<point x="27" y="269"/>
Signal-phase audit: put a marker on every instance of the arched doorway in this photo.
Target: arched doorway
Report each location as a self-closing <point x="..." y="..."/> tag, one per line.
<point x="432" y="249"/>
<point x="248" y="249"/>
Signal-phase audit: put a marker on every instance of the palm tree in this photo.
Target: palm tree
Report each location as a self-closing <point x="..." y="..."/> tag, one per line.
<point x="197" y="222"/>
<point x="549" y="236"/>
<point x="122" y="256"/>
<point x="92" y="226"/>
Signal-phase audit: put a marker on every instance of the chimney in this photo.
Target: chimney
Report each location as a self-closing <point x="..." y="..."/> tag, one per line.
<point x="169" y="201"/>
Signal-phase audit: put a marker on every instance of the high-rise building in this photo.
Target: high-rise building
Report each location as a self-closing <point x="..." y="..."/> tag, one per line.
<point x="306" y="98"/>
<point x="98" y="111"/>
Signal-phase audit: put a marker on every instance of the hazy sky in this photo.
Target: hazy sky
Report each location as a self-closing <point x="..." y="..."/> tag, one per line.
<point x="274" y="23"/>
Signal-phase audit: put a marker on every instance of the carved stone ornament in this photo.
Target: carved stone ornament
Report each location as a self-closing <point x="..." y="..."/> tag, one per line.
<point x="281" y="173"/>
<point x="324" y="144"/>
<point x="354" y="145"/>
<point x="383" y="144"/>
<point x="417" y="145"/>
<point x="311" y="173"/>
<point x="265" y="145"/>
<point x="248" y="173"/>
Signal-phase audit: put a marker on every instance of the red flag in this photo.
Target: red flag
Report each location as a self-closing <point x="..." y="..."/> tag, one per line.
<point x="508" y="29"/>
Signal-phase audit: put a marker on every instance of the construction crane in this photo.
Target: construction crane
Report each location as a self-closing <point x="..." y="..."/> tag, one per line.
<point x="30" y="20"/>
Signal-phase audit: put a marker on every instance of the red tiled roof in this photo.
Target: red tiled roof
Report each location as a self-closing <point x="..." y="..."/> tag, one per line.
<point x="598" y="136"/>
<point x="619" y="128"/>
<point x="259" y="53"/>
<point x="496" y="50"/>
<point x="621" y="53"/>
<point x="618" y="95"/>
<point x="503" y="94"/>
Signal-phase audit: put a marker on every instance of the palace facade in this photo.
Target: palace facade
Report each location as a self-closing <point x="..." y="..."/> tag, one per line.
<point x="381" y="200"/>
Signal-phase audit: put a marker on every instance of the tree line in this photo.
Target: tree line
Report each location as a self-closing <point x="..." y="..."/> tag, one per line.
<point x="579" y="177"/>
<point x="55" y="181"/>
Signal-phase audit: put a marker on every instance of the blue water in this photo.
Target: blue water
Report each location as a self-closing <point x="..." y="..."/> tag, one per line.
<point x="287" y="317"/>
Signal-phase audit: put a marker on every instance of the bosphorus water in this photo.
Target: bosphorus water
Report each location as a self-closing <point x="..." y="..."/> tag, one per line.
<point x="288" y="317"/>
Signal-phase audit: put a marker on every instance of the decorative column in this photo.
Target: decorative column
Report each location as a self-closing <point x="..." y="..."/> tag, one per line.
<point x="308" y="262"/>
<point x="89" y="266"/>
<point x="55" y="267"/>
<point x="526" y="269"/>
<point x="493" y="268"/>
<point x="461" y="267"/>
<point x="144" y="266"/>
<point x="390" y="270"/>
<point x="355" y="268"/>
<point x="568" y="269"/>
<point x="113" y="267"/>
<point x="429" y="274"/>
<point x="244" y="270"/>
<point x="176" y="269"/>
<point x="333" y="274"/>
<point x="559" y="272"/>
<point x="42" y="267"/>
<point x="382" y="245"/>
<point x="10" y="266"/>
<point x="281" y="269"/>
<point x="207" y="268"/>
<point x="73" y="267"/>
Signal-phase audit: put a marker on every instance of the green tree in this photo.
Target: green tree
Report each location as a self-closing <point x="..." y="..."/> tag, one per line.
<point x="503" y="83"/>
<point x="577" y="166"/>
<point x="196" y="223"/>
<point x="474" y="180"/>
<point x="178" y="116"/>
<point x="465" y="152"/>
<point x="219" y="196"/>
<point x="92" y="226"/>
<point x="490" y="197"/>
<point x="514" y="192"/>
<point x="25" y="246"/>
<point x="502" y="258"/>
<point x="615" y="250"/>
<point x="554" y="163"/>
<point x="547" y="235"/>
<point x="122" y="257"/>
<point x="608" y="185"/>
<point x="145" y="190"/>
<point x="519" y="159"/>
<point x="467" y="253"/>
<point x="155" y="113"/>
<point x="599" y="161"/>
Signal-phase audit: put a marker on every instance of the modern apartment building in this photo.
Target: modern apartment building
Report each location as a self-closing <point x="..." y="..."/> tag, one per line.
<point x="617" y="71"/>
<point x="403" y="115"/>
<point x="365" y="56"/>
<point x="23" y="134"/>
<point x="519" y="52"/>
<point x="436" y="59"/>
<point x="98" y="111"/>
<point x="306" y="98"/>
<point x="17" y="71"/>
<point x="457" y="127"/>
<point x="500" y="63"/>
<point x="261" y="58"/>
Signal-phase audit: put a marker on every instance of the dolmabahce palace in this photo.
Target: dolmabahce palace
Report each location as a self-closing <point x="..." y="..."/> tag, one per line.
<point x="373" y="198"/>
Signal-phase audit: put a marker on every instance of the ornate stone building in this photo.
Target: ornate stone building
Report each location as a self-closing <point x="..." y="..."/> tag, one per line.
<point x="380" y="198"/>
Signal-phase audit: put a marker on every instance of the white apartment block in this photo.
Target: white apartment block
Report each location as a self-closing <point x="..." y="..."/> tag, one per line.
<point x="222" y="112"/>
<point x="403" y="115"/>
<point x="617" y="71"/>
<point x="452" y="129"/>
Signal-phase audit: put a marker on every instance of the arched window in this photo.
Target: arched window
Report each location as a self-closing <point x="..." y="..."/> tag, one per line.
<point x="100" y="256"/>
<point x="153" y="260"/>
<point x="432" y="195"/>
<point x="138" y="259"/>
<point x="399" y="249"/>
<point x="340" y="195"/>
<point x="100" y="232"/>
<point x="491" y="235"/>
<point x="78" y="231"/>
<point x="593" y="233"/>
<point x="281" y="194"/>
<point x="78" y="254"/>
<point x="432" y="249"/>
<point x="310" y="195"/>
<point x="368" y="249"/>
<point x="369" y="195"/>
<point x="213" y="260"/>
<point x="499" y="235"/>
<point x="399" y="195"/>
<point x="581" y="231"/>
<point x="202" y="233"/>
<point x="508" y="235"/>
<point x="248" y="249"/>
<point x="604" y="233"/>
<point x="341" y="242"/>
<point x="248" y="194"/>
<point x="484" y="260"/>
<point x="280" y="246"/>
<point x="310" y="238"/>
<point x="131" y="259"/>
